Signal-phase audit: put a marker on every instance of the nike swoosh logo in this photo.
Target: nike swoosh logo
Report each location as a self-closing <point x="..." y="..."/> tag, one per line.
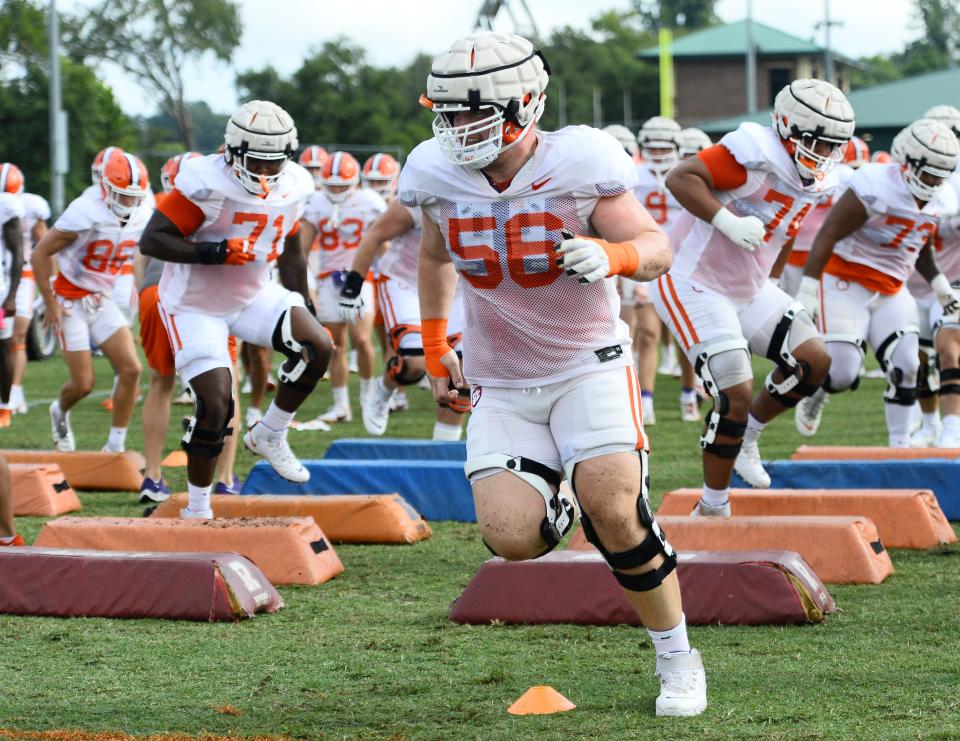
<point x="538" y="186"/>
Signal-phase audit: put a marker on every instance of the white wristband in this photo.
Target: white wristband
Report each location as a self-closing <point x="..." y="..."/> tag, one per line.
<point x="724" y="220"/>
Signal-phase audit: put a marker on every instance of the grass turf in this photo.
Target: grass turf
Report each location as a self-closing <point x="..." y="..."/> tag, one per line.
<point x="371" y="654"/>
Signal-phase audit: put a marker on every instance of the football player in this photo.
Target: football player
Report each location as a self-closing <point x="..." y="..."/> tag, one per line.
<point x="337" y="216"/>
<point x="8" y="535"/>
<point x="883" y="226"/>
<point x="12" y="215"/>
<point x="539" y="225"/>
<point x="228" y="219"/>
<point x="750" y="194"/>
<point x="34" y="223"/>
<point x="92" y="241"/>
<point x="692" y="141"/>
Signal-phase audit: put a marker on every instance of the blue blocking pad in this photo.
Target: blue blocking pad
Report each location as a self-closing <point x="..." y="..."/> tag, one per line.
<point x="363" y="448"/>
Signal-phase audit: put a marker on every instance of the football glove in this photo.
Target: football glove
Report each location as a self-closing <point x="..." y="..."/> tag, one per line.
<point x="744" y="231"/>
<point x="351" y="304"/>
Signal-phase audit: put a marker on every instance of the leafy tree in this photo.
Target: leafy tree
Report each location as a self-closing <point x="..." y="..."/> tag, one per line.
<point x="683" y="15"/>
<point x="95" y="118"/>
<point x="153" y="40"/>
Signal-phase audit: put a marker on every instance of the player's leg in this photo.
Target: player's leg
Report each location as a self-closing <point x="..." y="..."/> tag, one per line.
<point x="777" y="327"/>
<point x="279" y="317"/>
<point x="895" y="336"/>
<point x="156" y="404"/>
<point x="707" y="327"/>
<point x="597" y="427"/>
<point x="948" y="351"/>
<point x="26" y="292"/>
<point x="74" y="337"/>
<point x="842" y="321"/>
<point x="689" y="401"/>
<point x="109" y="331"/>
<point x="361" y="340"/>
<point x="648" y="340"/>
<point x="226" y="482"/>
<point x="328" y="313"/>
<point x="259" y="360"/>
<point x="6" y="370"/>
<point x="8" y="536"/>
<point x="928" y="380"/>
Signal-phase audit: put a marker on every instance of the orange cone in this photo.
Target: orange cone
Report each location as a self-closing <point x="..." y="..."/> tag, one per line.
<point x="540" y="700"/>
<point x="175" y="459"/>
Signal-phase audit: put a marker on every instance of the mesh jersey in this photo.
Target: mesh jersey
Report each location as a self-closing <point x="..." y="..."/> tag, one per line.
<point x="35" y="209"/>
<point x="774" y="193"/>
<point x="818" y="214"/>
<point x="229" y="212"/>
<point x="401" y="261"/>
<point x="340" y="226"/>
<point x="948" y="250"/>
<point x="654" y="196"/>
<point x="11" y="207"/>
<point x="104" y="245"/>
<point x="525" y="322"/>
<point x="895" y="230"/>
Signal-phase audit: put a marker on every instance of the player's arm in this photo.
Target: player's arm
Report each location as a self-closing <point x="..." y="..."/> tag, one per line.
<point x="694" y="183"/>
<point x="39" y="229"/>
<point x="13" y="239"/>
<point x="845" y="217"/>
<point x="41" y="261"/>
<point x="292" y="266"/>
<point x="392" y="223"/>
<point x="165" y="236"/>
<point x="139" y="268"/>
<point x="308" y="233"/>
<point x="928" y="268"/>
<point x="437" y="284"/>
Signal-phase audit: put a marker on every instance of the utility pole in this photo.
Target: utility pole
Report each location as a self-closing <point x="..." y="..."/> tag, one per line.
<point x="751" y="63"/>
<point x="826" y="24"/>
<point x="597" y="108"/>
<point x="59" y="161"/>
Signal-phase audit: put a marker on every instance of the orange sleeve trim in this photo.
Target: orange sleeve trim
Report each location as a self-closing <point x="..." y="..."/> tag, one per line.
<point x="726" y="172"/>
<point x="186" y="215"/>
<point x="866" y="276"/>
<point x="63" y="287"/>
<point x="434" y="335"/>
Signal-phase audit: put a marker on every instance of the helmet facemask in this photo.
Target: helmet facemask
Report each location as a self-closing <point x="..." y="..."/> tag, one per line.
<point x="114" y="197"/>
<point x="812" y="163"/>
<point x="913" y="172"/>
<point x="262" y="178"/>
<point x="386" y="187"/>
<point x="477" y="144"/>
<point x="660" y="156"/>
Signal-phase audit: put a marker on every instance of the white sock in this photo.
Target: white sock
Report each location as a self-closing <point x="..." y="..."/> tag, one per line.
<point x="198" y="498"/>
<point x="275" y="418"/>
<point x="930" y="419"/>
<point x="952" y="423"/>
<point x="688" y="396"/>
<point x="443" y="431"/>
<point x="898" y="425"/>
<point x="16" y="394"/>
<point x="118" y="438"/>
<point x="715" y="497"/>
<point x="55" y="408"/>
<point x="341" y="396"/>
<point x="754" y="428"/>
<point x="671" y="641"/>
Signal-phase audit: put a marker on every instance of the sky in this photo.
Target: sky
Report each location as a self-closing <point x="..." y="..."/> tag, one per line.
<point x="282" y="32"/>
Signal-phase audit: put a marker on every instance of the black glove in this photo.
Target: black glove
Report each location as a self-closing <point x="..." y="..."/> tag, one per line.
<point x="212" y="253"/>
<point x="352" y="285"/>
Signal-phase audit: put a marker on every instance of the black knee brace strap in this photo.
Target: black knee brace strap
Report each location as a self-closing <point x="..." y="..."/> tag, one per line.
<point x="949" y="381"/>
<point x="902" y="396"/>
<point x="305" y="380"/>
<point x="719" y="425"/>
<point x="203" y="442"/>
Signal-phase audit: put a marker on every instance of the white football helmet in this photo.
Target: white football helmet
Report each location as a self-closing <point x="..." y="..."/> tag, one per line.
<point x="808" y="112"/>
<point x="693" y="141"/>
<point x="623" y="135"/>
<point x="946" y="114"/>
<point x="926" y="147"/>
<point x="656" y="134"/>
<point x="502" y="76"/>
<point x="261" y="132"/>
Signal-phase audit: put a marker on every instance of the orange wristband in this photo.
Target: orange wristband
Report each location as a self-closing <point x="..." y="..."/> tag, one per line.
<point x="623" y="257"/>
<point x="435" y="345"/>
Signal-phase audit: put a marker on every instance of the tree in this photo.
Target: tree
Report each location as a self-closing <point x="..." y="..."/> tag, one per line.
<point x="153" y="40"/>
<point x="679" y="15"/>
<point x="95" y="118"/>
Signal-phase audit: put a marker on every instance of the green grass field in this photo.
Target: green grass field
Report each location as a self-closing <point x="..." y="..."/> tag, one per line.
<point x="372" y="655"/>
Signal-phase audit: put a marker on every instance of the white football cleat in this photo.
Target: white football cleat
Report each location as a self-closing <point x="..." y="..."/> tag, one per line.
<point x="336" y="414"/>
<point x="689" y="411"/>
<point x="247" y="387"/>
<point x="927" y="437"/>
<point x="400" y="402"/>
<point x="376" y="408"/>
<point x="61" y="431"/>
<point x="702" y="509"/>
<point x="683" y="684"/>
<point x="273" y="447"/>
<point x="253" y="416"/>
<point x="948" y="439"/>
<point x="108" y="448"/>
<point x="189" y="514"/>
<point x="750" y="468"/>
<point x="809" y="412"/>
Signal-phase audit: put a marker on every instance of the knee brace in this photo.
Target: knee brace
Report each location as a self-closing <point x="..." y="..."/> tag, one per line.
<point x="717" y="423"/>
<point x="561" y="512"/>
<point x="401" y="373"/>
<point x="896" y="392"/>
<point x="654" y="544"/>
<point x="400" y="331"/>
<point x="928" y="376"/>
<point x="860" y="346"/>
<point x="204" y="441"/>
<point x="299" y="371"/>
<point x="795" y="372"/>
<point x="949" y="381"/>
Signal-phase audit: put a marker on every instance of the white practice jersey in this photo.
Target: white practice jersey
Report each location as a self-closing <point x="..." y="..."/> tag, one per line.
<point x="35" y="209"/>
<point x="340" y="226"/>
<point x="224" y="209"/>
<point x="103" y="247"/>
<point x="401" y="260"/>
<point x="774" y="193"/>
<point x="526" y="322"/>
<point x="947" y="245"/>
<point x="654" y="196"/>
<point x="11" y="207"/>
<point x="895" y="230"/>
<point x="818" y="214"/>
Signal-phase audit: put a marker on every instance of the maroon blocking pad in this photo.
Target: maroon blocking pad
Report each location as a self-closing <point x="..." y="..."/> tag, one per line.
<point x="736" y="588"/>
<point x="179" y="586"/>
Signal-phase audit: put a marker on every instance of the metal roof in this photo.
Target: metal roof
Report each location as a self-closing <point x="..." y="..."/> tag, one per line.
<point x="888" y="105"/>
